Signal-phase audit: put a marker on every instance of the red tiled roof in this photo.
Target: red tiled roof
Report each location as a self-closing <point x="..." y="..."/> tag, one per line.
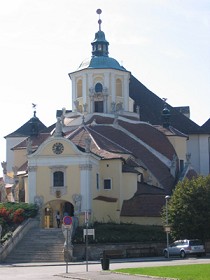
<point x="151" y="136"/>
<point x="109" y="142"/>
<point x="145" y="205"/>
<point x="139" y="151"/>
<point x="170" y="131"/>
<point x="36" y="141"/>
<point x="144" y="131"/>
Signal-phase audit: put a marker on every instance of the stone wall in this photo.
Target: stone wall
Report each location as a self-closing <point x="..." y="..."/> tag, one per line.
<point x="95" y="251"/>
<point x="129" y="250"/>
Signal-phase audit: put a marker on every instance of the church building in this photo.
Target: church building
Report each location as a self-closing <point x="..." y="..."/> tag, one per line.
<point x="100" y="161"/>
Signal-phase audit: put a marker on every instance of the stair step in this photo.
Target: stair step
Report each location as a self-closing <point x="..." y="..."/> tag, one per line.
<point x="39" y="245"/>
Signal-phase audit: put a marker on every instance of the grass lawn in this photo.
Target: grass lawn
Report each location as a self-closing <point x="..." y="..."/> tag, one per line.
<point x="182" y="272"/>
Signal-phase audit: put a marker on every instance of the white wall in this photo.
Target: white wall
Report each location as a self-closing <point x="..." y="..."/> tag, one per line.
<point x="197" y="146"/>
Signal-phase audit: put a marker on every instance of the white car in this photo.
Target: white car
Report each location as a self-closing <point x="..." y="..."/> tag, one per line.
<point x="185" y="247"/>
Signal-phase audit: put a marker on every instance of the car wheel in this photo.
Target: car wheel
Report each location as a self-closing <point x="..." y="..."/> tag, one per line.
<point x="165" y="254"/>
<point x="182" y="254"/>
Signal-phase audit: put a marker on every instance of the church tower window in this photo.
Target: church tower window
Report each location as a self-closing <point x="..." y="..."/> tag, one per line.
<point x="79" y="88"/>
<point x="118" y="87"/>
<point x="98" y="88"/>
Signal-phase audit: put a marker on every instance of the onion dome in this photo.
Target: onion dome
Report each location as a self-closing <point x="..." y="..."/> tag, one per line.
<point x="100" y="51"/>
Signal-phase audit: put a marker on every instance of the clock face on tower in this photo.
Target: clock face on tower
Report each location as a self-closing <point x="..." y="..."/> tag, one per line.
<point x="57" y="148"/>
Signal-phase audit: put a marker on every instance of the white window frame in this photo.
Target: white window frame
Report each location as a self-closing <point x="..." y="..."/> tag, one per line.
<point x="61" y="189"/>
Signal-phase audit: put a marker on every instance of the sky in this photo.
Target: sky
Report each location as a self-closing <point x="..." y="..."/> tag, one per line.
<point x="164" y="43"/>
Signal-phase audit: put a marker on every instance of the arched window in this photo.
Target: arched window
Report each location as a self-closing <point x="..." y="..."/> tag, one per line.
<point x="98" y="87"/>
<point x="79" y="88"/>
<point x="118" y="87"/>
<point x="58" y="179"/>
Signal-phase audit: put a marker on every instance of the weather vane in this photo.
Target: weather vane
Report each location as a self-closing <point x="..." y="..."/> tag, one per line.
<point x="99" y="11"/>
<point x="34" y="106"/>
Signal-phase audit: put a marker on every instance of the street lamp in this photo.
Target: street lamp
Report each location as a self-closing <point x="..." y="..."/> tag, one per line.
<point x="167" y="197"/>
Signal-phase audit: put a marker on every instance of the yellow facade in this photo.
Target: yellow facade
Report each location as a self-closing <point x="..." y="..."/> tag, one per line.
<point x="84" y="174"/>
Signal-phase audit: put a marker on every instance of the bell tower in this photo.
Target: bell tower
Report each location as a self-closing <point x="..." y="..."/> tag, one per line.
<point x="101" y="84"/>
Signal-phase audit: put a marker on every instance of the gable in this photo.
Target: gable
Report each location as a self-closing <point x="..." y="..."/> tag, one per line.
<point x="55" y="147"/>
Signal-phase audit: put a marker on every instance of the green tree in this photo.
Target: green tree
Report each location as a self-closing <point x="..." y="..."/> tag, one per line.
<point x="189" y="209"/>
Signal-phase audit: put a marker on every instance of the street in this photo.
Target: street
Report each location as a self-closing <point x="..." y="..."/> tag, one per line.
<point x="92" y="270"/>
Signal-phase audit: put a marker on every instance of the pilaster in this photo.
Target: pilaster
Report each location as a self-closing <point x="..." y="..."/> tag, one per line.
<point x="85" y="179"/>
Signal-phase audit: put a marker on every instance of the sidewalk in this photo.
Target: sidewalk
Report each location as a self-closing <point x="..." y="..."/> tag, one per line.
<point x="105" y="275"/>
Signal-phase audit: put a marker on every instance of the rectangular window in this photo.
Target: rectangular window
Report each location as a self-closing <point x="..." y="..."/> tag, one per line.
<point x="58" y="179"/>
<point x="107" y="184"/>
<point x="181" y="165"/>
<point x="97" y="181"/>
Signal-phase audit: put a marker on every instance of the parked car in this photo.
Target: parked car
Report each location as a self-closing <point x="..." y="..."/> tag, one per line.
<point x="185" y="247"/>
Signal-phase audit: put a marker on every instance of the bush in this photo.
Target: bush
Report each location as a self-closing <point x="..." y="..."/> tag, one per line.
<point x="122" y="233"/>
<point x="13" y="214"/>
<point x="189" y="209"/>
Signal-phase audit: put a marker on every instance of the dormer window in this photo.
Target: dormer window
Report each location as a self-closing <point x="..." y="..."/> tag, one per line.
<point x="98" y="88"/>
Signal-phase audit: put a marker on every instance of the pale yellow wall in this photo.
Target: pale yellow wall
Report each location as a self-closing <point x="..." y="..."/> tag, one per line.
<point x="94" y="171"/>
<point x="68" y="149"/>
<point x="111" y="169"/>
<point x="119" y="88"/>
<point x="26" y="188"/>
<point x="79" y="88"/>
<point x="129" y="181"/>
<point x="105" y="211"/>
<point x="44" y="177"/>
<point x="124" y="185"/>
<point x="180" y="146"/>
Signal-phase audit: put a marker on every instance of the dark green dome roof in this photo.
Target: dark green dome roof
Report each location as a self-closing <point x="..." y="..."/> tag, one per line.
<point x="101" y="62"/>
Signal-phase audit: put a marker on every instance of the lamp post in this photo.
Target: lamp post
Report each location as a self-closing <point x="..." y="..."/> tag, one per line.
<point x="167" y="197"/>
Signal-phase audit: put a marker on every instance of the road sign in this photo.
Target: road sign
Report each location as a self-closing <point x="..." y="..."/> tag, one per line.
<point x="167" y="229"/>
<point x="67" y="221"/>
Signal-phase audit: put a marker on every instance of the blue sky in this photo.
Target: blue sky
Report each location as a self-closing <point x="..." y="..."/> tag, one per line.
<point x="164" y="43"/>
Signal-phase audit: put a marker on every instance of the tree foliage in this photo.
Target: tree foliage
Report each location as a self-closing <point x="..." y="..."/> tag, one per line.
<point x="189" y="209"/>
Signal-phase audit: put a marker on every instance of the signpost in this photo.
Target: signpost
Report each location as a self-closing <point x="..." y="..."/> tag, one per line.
<point x="86" y="243"/>
<point x="67" y="222"/>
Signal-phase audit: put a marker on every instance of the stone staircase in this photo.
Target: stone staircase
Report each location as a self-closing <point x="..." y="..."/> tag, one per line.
<point x="39" y="245"/>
